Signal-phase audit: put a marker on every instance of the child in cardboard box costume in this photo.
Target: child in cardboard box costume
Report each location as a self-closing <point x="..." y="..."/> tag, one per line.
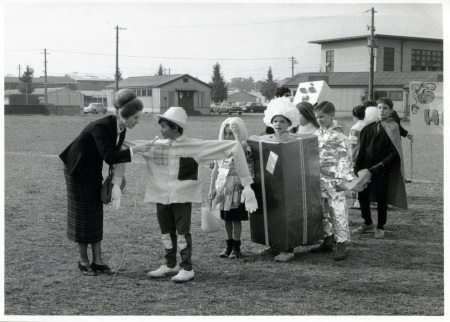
<point x="174" y="167"/>
<point x="286" y="184"/>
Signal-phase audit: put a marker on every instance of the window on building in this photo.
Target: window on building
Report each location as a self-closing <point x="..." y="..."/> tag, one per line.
<point x="330" y="61"/>
<point x="396" y="95"/>
<point x="388" y="59"/>
<point x="426" y="60"/>
<point x="138" y="92"/>
<point x="185" y="79"/>
<point x="144" y="92"/>
<point x="149" y="92"/>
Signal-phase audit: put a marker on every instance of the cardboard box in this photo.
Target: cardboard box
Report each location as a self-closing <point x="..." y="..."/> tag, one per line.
<point x="287" y="187"/>
<point x="313" y="92"/>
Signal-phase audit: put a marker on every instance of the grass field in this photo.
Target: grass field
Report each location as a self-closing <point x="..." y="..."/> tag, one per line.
<point x="402" y="274"/>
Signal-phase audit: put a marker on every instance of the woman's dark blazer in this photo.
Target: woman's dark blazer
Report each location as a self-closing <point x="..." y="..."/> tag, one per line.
<point x="96" y="143"/>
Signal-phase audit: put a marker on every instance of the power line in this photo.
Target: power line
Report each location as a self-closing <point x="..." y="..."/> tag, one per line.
<point x="180" y="58"/>
<point x="296" y="19"/>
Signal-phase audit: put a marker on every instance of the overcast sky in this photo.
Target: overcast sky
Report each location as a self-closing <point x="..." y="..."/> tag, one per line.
<point x="245" y="38"/>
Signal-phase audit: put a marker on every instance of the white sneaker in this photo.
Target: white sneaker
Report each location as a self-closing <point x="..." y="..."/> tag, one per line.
<point x="284" y="257"/>
<point x="183" y="276"/>
<point x="163" y="270"/>
<point x="379" y="233"/>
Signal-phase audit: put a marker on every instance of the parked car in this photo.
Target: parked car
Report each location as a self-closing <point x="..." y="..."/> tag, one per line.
<point x="252" y="107"/>
<point x="225" y="107"/>
<point x="95" y="108"/>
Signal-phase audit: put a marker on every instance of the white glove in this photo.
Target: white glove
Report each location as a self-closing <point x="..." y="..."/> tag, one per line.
<point x="248" y="195"/>
<point x="115" y="196"/>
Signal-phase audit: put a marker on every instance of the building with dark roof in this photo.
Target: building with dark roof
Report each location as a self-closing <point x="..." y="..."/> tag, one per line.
<point x="345" y="65"/>
<point x="158" y="93"/>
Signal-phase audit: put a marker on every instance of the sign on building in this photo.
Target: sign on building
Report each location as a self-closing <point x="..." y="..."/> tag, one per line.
<point x="313" y="92"/>
<point x="427" y="107"/>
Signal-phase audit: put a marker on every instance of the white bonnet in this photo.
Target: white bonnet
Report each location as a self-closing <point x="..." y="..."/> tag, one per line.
<point x="284" y="107"/>
<point x="234" y="121"/>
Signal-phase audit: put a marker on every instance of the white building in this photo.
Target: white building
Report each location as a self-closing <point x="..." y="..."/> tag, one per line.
<point x="345" y="65"/>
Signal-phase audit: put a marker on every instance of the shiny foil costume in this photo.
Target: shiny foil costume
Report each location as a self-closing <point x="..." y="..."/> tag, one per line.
<point x="335" y="165"/>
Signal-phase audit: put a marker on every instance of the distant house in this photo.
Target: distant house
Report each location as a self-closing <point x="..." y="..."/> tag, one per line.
<point x="55" y="96"/>
<point x="158" y="93"/>
<point x="75" y="81"/>
<point x="246" y="97"/>
<point x="91" y="82"/>
<point x="345" y="65"/>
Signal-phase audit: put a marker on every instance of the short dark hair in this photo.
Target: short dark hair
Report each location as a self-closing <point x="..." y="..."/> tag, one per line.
<point x="172" y="125"/>
<point x="281" y="91"/>
<point x="387" y="101"/>
<point x="369" y="103"/>
<point x="127" y="102"/>
<point x="359" y="112"/>
<point x="325" y="107"/>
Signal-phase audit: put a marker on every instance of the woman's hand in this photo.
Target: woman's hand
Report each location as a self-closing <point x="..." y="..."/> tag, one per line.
<point x="116" y="194"/>
<point x="143" y="147"/>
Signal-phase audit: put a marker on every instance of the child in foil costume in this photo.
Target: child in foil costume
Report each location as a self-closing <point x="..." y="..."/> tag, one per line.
<point x="335" y="168"/>
<point x="226" y="188"/>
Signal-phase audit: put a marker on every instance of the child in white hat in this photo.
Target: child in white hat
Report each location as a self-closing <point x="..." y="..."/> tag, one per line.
<point x="281" y="115"/>
<point x="175" y="165"/>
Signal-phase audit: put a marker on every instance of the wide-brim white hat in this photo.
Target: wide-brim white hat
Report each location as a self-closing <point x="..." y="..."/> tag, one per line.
<point x="174" y="114"/>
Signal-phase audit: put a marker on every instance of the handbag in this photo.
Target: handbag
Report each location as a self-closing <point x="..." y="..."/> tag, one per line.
<point x="107" y="186"/>
<point x="210" y="217"/>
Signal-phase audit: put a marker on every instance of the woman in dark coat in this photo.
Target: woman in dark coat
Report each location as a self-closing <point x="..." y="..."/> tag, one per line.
<point x="83" y="159"/>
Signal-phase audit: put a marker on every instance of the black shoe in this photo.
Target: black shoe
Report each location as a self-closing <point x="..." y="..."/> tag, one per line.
<point x="226" y="253"/>
<point x="102" y="268"/>
<point x="86" y="269"/>
<point x="326" y="246"/>
<point x="236" y="253"/>
<point x="341" y="252"/>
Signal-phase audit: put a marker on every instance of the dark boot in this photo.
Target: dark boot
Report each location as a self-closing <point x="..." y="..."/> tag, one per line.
<point x="341" y="252"/>
<point x="236" y="253"/>
<point x="228" y="250"/>
<point x="326" y="246"/>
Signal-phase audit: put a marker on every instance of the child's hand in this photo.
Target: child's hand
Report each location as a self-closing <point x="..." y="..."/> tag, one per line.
<point x="211" y="193"/>
<point x="235" y="129"/>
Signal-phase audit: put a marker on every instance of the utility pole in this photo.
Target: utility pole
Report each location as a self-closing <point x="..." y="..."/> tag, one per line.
<point x="293" y="61"/>
<point x="45" y="76"/>
<point x="19" y="72"/>
<point x="117" y="57"/>
<point x="372" y="46"/>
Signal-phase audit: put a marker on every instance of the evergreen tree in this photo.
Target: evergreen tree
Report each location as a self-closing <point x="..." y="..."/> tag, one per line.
<point x="118" y="75"/>
<point x="160" y="70"/>
<point x="219" y="90"/>
<point x="243" y="84"/>
<point x="269" y="86"/>
<point x="26" y="81"/>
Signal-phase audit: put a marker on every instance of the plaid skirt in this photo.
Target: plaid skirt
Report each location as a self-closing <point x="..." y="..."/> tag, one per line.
<point x="84" y="210"/>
